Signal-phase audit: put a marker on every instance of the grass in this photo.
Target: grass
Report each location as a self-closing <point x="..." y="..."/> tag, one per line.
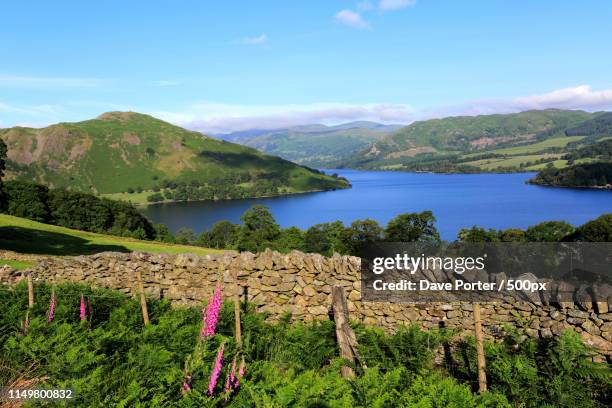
<point x="31" y="237"/>
<point x="536" y="147"/>
<point x="515" y="161"/>
<point x="16" y="264"/>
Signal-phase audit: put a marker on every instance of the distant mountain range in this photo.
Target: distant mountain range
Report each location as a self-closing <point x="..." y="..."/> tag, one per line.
<point x="314" y="145"/>
<point x="121" y="152"/>
<point x="526" y="141"/>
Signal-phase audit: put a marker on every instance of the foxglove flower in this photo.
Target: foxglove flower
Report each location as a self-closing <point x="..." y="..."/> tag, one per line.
<point x="232" y="375"/>
<point x="51" y="308"/>
<point x="82" y="309"/>
<point x="186" y="387"/>
<point x="240" y="373"/>
<point x="211" y="315"/>
<point x="214" y="375"/>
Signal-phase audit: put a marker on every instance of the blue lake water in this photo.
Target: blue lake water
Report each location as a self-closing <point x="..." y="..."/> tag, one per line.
<point x="459" y="200"/>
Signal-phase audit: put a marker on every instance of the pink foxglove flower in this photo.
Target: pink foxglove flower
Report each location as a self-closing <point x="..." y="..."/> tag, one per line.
<point x="240" y="373"/>
<point x="211" y="316"/>
<point x="242" y="368"/>
<point x="232" y="375"/>
<point x="51" y="307"/>
<point x="186" y="387"/>
<point x="214" y="375"/>
<point x="82" y="310"/>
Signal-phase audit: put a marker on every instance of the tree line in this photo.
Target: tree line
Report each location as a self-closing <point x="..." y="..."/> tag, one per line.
<point x="259" y="230"/>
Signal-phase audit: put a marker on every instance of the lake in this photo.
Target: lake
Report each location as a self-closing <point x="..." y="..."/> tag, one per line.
<point x="457" y="200"/>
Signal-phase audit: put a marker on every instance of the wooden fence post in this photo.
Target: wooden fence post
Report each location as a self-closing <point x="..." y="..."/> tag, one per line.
<point x="30" y="291"/>
<point x="482" y="376"/>
<point x="347" y="341"/>
<point x="143" y="299"/>
<point x="238" y="331"/>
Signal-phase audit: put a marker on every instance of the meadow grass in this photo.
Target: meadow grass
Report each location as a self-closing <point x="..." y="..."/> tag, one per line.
<point x="536" y="147"/>
<point x="31" y="237"/>
<point x="16" y="264"/>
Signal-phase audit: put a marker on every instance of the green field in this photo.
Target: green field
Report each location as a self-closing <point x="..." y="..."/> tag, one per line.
<point x="491" y="164"/>
<point x="536" y="147"/>
<point x="31" y="237"/>
<point x="16" y="264"/>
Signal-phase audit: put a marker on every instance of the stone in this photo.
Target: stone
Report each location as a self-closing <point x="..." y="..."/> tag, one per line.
<point x="309" y="291"/>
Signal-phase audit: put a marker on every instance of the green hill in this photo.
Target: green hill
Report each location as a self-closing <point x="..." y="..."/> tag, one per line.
<point x="30" y="237"/>
<point x="125" y="151"/>
<point x="314" y="145"/>
<point x="524" y="141"/>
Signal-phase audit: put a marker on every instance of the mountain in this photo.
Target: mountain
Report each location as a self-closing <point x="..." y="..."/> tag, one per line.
<point x="121" y="152"/>
<point x="521" y="141"/>
<point x="314" y="145"/>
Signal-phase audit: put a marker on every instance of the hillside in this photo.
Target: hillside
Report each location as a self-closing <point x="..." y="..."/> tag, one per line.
<point x="314" y="145"/>
<point x="122" y="152"/>
<point x="525" y="141"/>
<point x="30" y="237"/>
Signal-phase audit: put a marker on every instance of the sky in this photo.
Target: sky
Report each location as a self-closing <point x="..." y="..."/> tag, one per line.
<point x="221" y="66"/>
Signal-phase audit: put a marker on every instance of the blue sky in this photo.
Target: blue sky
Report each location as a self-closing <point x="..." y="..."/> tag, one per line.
<point x="228" y="65"/>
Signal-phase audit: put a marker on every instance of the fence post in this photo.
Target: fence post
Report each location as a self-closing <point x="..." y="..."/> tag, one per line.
<point x="143" y="299"/>
<point x="482" y="376"/>
<point x="347" y="341"/>
<point x="238" y="330"/>
<point x="30" y="291"/>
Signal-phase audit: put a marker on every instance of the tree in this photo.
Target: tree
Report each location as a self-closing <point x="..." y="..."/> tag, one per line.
<point x="259" y="229"/>
<point x="27" y="200"/>
<point x="412" y="227"/>
<point x="155" y="197"/>
<point x="326" y="238"/>
<point x="223" y="234"/>
<point x="512" y="235"/>
<point x="477" y="234"/>
<point x="290" y="238"/>
<point x="163" y="234"/>
<point x="185" y="236"/>
<point x="362" y="232"/>
<point x="549" y="231"/>
<point x="597" y="230"/>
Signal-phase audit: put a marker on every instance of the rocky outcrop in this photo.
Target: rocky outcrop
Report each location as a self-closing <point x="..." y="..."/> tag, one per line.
<point x="301" y="284"/>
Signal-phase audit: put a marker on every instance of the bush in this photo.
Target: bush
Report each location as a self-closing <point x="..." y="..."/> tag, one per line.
<point x="112" y="359"/>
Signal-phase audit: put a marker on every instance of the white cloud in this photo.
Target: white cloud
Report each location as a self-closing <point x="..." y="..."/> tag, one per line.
<point x="388" y="5"/>
<point x="351" y="18"/>
<point x="21" y="81"/>
<point x="582" y="97"/>
<point x="223" y="118"/>
<point x="211" y="117"/>
<point x="256" y="40"/>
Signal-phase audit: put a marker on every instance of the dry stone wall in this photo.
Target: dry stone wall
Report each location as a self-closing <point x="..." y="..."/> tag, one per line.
<point x="301" y="284"/>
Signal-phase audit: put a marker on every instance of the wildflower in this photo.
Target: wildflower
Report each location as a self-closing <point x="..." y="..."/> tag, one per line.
<point x="214" y="375"/>
<point x="24" y="325"/>
<point x="240" y="373"/>
<point x="232" y="375"/>
<point x="51" y="307"/>
<point x="82" y="310"/>
<point x="211" y="316"/>
<point x="242" y="368"/>
<point x="186" y="387"/>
